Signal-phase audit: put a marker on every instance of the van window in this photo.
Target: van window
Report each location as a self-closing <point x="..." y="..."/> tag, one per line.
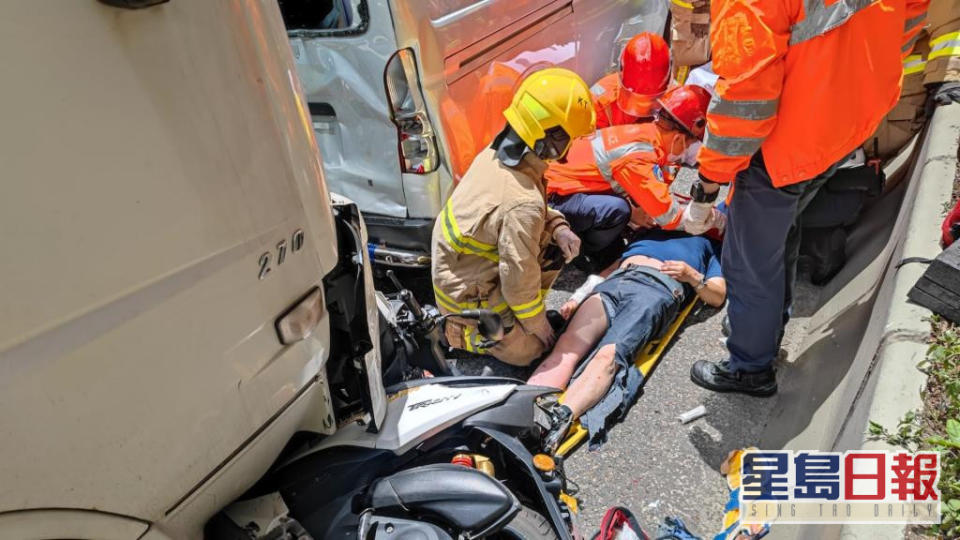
<point x="330" y="17"/>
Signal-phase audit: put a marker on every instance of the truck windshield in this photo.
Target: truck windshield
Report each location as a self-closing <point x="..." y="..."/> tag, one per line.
<point x="326" y="17"/>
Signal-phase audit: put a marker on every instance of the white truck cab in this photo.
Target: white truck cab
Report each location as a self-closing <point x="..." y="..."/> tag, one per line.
<point x="404" y="93"/>
<point x="180" y="295"/>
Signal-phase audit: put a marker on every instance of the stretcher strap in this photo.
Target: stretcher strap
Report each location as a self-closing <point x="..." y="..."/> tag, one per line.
<point x="646" y="360"/>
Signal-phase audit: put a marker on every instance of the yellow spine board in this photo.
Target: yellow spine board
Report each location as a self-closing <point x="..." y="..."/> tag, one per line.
<point x="645" y="362"/>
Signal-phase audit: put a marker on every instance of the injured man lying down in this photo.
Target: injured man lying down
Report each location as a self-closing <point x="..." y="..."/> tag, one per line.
<point x="642" y="294"/>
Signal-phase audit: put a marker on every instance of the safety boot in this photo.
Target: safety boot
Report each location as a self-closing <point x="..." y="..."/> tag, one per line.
<point x="720" y="377"/>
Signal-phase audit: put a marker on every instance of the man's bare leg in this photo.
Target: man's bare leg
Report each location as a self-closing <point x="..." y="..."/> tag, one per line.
<point x="585" y="329"/>
<point x="593" y="383"/>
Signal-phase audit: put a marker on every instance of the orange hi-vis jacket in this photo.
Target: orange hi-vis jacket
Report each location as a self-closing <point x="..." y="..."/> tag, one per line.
<point x="605" y="102"/>
<point x="804" y="81"/>
<point x="628" y="160"/>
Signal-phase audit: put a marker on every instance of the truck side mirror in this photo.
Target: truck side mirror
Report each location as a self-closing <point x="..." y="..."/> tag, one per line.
<point x="489" y="323"/>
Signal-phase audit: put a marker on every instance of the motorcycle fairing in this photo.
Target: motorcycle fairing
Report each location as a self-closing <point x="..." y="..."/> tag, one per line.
<point x="465" y="498"/>
<point x="415" y="414"/>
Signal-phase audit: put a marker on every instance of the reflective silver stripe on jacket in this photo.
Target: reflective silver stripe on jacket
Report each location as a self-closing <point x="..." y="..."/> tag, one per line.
<point x="733" y="146"/>
<point x="909" y="45"/>
<point x="605" y="158"/>
<point x="821" y="18"/>
<point x="948" y="44"/>
<point x="914" y="64"/>
<point x="912" y="23"/>
<point x="748" y="110"/>
<point x="667" y="217"/>
<point x="598" y="90"/>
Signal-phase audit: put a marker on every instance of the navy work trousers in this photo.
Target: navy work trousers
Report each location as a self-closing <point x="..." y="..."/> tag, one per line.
<point x="597" y="219"/>
<point x="761" y="245"/>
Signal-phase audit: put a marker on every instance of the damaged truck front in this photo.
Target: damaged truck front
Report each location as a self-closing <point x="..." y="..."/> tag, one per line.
<point x="181" y="297"/>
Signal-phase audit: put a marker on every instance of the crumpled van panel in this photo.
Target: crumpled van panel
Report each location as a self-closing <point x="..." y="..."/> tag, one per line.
<point x="342" y="78"/>
<point x="457" y="24"/>
<point x="472" y="82"/>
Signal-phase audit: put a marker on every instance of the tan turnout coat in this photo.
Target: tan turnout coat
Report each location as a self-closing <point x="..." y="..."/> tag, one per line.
<point x="935" y="58"/>
<point x="491" y="249"/>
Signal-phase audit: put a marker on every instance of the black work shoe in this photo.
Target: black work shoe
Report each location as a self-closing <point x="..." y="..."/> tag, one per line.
<point x="561" y="417"/>
<point x="556" y="320"/>
<point x="725" y="326"/>
<point x="718" y="376"/>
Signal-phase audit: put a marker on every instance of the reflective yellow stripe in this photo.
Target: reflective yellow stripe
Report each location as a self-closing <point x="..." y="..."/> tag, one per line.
<point x="530" y="309"/>
<point x="468" y="339"/>
<point x="445" y="304"/>
<point x="539" y="309"/>
<point x="940" y="39"/>
<point x="530" y="304"/>
<point x="471" y="340"/>
<point x="482" y="246"/>
<point x="683" y="4"/>
<point x="945" y="45"/>
<point x="462" y="244"/>
<point x="453" y="306"/>
<point x="913" y="64"/>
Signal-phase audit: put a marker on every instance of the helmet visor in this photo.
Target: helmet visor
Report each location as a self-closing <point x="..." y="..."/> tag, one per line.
<point x="636" y="104"/>
<point x="554" y="144"/>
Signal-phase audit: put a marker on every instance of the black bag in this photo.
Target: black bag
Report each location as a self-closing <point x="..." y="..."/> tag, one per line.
<point x="834" y="208"/>
<point x="839" y="201"/>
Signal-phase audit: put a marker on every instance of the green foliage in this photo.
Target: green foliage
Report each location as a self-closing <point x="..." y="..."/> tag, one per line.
<point x="937" y="426"/>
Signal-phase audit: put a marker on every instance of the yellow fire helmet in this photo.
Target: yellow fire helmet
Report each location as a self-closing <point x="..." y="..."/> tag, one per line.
<point x="549" y="98"/>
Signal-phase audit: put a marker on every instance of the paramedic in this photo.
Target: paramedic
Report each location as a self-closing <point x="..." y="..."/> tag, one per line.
<point x="629" y="95"/>
<point x="812" y="86"/>
<point x="618" y="169"/>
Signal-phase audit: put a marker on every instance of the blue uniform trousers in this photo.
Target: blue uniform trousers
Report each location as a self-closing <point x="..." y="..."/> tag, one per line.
<point x="598" y="219"/>
<point x="760" y="249"/>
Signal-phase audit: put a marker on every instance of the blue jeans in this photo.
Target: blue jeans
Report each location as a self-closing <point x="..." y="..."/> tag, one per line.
<point x="640" y="303"/>
<point x="597" y="219"/>
<point x="760" y="250"/>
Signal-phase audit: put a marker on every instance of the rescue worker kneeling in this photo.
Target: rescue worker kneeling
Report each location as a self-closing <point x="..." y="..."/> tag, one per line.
<point x="633" y="306"/>
<point x="606" y="176"/>
<point x="495" y="244"/>
<point x="630" y="94"/>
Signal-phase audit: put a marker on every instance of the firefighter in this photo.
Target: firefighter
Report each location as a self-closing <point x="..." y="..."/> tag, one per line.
<point x="941" y="74"/>
<point x="496" y="244"/>
<point x="622" y="172"/>
<point x="931" y="77"/>
<point x="801" y="86"/>
<point x="629" y="95"/>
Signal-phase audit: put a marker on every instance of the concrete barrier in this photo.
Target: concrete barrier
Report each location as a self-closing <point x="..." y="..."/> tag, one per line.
<point x="866" y="317"/>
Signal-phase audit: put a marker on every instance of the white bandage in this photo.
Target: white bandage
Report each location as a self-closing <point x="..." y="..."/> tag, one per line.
<point x="584" y="291"/>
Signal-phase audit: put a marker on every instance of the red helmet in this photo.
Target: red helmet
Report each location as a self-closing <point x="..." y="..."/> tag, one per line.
<point x="645" y="66"/>
<point x="687" y="105"/>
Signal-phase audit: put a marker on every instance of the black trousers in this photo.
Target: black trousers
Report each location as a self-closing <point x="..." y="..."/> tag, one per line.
<point x="760" y="249"/>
